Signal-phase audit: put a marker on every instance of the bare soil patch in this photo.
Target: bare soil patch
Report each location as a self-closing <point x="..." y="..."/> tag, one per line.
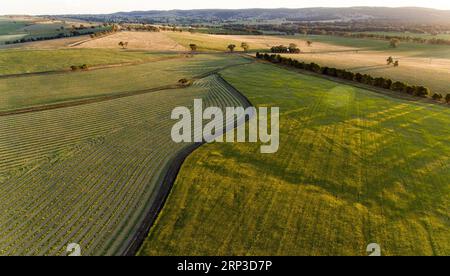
<point x="136" y="40"/>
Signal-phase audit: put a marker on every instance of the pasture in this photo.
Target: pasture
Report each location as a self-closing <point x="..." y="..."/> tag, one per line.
<point x="9" y="25"/>
<point x="29" y="91"/>
<point x="20" y="61"/>
<point x="354" y="167"/>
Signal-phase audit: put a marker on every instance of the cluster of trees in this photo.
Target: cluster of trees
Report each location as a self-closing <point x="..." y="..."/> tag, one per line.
<point x="391" y="61"/>
<point x="439" y="97"/>
<point x="79" y="67"/>
<point x="379" y="82"/>
<point x="141" y="27"/>
<point x="193" y="47"/>
<point x="113" y="29"/>
<point x="123" y="44"/>
<point x="292" y="49"/>
<point x="184" y="82"/>
<point x="171" y="28"/>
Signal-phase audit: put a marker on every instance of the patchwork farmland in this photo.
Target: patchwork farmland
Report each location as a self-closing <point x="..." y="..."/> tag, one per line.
<point x="87" y="158"/>
<point x="353" y="167"/>
<point x="98" y="190"/>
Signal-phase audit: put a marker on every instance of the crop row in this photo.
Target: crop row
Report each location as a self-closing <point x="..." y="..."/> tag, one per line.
<point x="97" y="192"/>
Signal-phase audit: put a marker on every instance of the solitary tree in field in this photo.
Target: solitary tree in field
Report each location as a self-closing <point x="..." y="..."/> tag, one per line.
<point x="124" y="45"/>
<point x="437" y="97"/>
<point x="390" y="60"/>
<point x="193" y="47"/>
<point x="394" y="43"/>
<point x="245" y="46"/>
<point x="231" y="47"/>
<point x="447" y="98"/>
<point x="309" y="43"/>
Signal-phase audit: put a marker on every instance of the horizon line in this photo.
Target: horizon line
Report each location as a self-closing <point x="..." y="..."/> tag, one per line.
<point x="230" y="9"/>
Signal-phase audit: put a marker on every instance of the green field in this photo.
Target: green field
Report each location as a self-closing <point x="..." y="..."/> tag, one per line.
<point x="89" y="174"/>
<point x="30" y="61"/>
<point x="354" y="167"/>
<point x="45" y="89"/>
<point x="8" y="26"/>
<point x="12" y="29"/>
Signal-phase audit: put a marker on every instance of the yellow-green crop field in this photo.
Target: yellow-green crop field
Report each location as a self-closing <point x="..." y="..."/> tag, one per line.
<point x="354" y="168"/>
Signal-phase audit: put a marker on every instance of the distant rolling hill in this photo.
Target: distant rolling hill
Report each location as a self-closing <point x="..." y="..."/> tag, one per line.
<point x="407" y="14"/>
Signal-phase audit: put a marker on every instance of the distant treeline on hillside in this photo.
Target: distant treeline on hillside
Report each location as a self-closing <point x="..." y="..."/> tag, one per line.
<point x="73" y="33"/>
<point x="406" y="38"/>
<point x="347" y="14"/>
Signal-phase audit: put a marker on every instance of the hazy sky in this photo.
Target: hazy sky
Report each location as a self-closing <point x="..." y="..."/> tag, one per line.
<point x="108" y="6"/>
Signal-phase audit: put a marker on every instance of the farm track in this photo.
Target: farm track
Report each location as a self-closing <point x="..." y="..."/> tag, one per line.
<point x="100" y="191"/>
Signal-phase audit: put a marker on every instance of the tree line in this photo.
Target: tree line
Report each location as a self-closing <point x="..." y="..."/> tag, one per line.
<point x="72" y="33"/>
<point x="281" y="49"/>
<point x="379" y="82"/>
<point x="140" y="28"/>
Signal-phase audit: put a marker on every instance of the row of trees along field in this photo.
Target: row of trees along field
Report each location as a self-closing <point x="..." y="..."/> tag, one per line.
<point x="231" y="47"/>
<point x="113" y="29"/>
<point x="64" y="33"/>
<point x="281" y="49"/>
<point x="379" y="82"/>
